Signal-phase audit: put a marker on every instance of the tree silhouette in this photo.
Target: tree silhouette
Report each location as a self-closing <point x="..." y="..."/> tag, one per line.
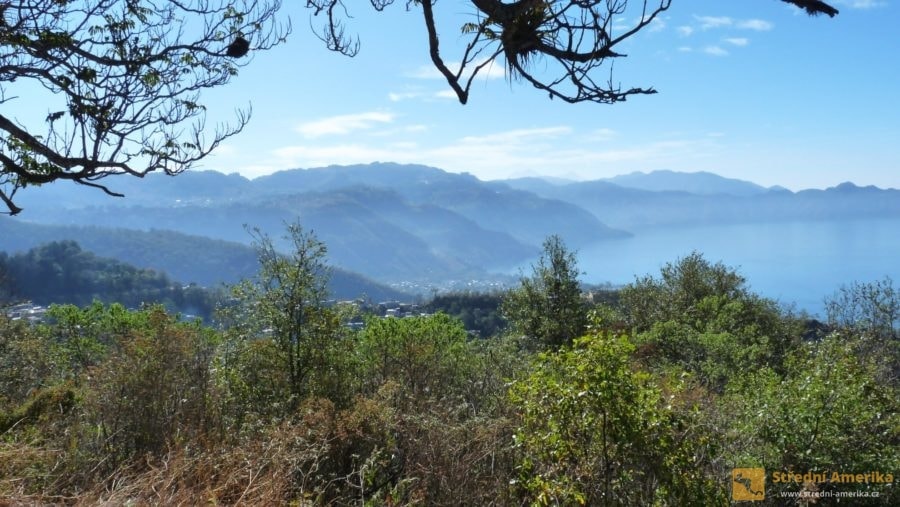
<point x="122" y="83"/>
<point x="572" y="39"/>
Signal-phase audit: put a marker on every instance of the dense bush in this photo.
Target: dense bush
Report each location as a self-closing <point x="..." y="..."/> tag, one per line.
<point x="688" y="376"/>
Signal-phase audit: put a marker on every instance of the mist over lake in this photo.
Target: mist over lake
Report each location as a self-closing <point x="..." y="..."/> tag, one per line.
<point x="792" y="262"/>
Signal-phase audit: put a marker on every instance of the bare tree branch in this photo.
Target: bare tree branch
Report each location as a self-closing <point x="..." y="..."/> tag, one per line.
<point x="123" y="80"/>
<point x="571" y="39"/>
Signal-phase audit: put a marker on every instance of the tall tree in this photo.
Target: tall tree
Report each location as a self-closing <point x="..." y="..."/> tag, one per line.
<point x="547" y="307"/>
<point x="122" y="83"/>
<point x="286" y="304"/>
<point x="571" y="39"/>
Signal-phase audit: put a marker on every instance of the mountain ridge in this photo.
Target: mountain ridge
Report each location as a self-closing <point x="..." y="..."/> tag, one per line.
<point x="401" y="222"/>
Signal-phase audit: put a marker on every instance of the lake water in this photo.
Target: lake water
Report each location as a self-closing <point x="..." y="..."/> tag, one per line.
<point x="795" y="262"/>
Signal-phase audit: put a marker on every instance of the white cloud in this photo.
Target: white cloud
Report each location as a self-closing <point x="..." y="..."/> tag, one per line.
<point x="715" y="51"/>
<point x="685" y="31"/>
<point x="707" y="22"/>
<point x="400" y="96"/>
<point x="339" y="154"/>
<point x="399" y="130"/>
<point x="685" y="49"/>
<point x="490" y="71"/>
<point x="517" y="136"/>
<point x="657" y="25"/>
<point x="391" y="132"/>
<point x="225" y="150"/>
<point x="425" y="72"/>
<point x="760" y="25"/>
<point x="545" y="150"/>
<point x="738" y="41"/>
<point x="446" y="94"/>
<point x="343" y="124"/>
<point x="863" y="4"/>
<point x="602" y="135"/>
<point x="622" y="25"/>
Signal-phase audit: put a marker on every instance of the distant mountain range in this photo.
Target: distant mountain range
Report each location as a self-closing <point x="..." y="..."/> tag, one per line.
<point x="665" y="198"/>
<point x="396" y="222"/>
<point x="703" y="183"/>
<point x="388" y="221"/>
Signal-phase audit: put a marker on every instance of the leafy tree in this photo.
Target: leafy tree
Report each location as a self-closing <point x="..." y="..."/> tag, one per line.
<point x="102" y="385"/>
<point x="7" y="288"/>
<point x="449" y="432"/>
<point x="702" y="317"/>
<point x="122" y="81"/>
<point x="828" y="412"/>
<point x="427" y="356"/>
<point x="873" y="308"/>
<point x="478" y="312"/>
<point x="286" y="303"/>
<point x="593" y="431"/>
<point x="25" y="362"/>
<point x="677" y="291"/>
<point x="68" y="344"/>
<point x="558" y="46"/>
<point x="870" y="311"/>
<point x="547" y="307"/>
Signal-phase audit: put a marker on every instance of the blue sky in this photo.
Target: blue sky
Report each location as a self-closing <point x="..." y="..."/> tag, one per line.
<point x="748" y="89"/>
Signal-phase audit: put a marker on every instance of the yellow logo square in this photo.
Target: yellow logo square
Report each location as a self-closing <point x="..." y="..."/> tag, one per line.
<point x="748" y="484"/>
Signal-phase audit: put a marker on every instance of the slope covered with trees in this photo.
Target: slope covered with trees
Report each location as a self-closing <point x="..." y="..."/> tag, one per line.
<point x="189" y="259"/>
<point x="61" y="272"/>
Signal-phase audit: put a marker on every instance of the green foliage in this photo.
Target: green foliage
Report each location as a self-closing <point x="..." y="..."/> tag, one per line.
<point x="427" y="356"/>
<point x="872" y="308"/>
<point x="678" y="290"/>
<point x="7" y="291"/>
<point x="828" y="412"/>
<point x="547" y="307"/>
<point x="43" y="405"/>
<point x="871" y="311"/>
<point x="593" y="432"/>
<point x="286" y="303"/>
<point x="255" y="385"/>
<point x="103" y="405"/>
<point x="702" y="317"/>
<point x="153" y="391"/>
<point x="25" y="363"/>
<point x="95" y="388"/>
<point x="478" y="312"/>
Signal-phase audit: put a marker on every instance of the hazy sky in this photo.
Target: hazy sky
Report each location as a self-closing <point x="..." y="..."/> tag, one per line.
<point x="747" y="88"/>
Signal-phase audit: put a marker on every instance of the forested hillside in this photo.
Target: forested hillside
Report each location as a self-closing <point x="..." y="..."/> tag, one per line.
<point x="186" y="258"/>
<point x="61" y="272"/>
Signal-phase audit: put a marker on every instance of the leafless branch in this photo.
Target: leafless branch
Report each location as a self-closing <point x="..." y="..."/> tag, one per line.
<point x="571" y="39"/>
<point x="127" y="78"/>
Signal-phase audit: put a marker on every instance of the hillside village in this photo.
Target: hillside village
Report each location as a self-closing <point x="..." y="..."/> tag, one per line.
<point x="26" y="311"/>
